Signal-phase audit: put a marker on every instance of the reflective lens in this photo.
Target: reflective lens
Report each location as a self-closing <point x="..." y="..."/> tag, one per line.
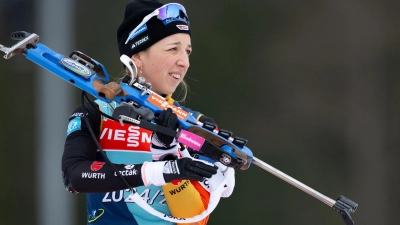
<point x="172" y="12"/>
<point x="167" y="13"/>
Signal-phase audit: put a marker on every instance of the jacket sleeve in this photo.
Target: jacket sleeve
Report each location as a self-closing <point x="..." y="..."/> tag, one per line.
<point x="80" y="169"/>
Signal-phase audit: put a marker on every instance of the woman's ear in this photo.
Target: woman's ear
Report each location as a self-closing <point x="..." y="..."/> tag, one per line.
<point x="136" y="58"/>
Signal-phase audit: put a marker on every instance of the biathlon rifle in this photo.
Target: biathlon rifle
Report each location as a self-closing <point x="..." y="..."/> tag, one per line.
<point x="91" y="77"/>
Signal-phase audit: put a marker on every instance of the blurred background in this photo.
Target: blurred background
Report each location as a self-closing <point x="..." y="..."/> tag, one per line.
<point x="313" y="85"/>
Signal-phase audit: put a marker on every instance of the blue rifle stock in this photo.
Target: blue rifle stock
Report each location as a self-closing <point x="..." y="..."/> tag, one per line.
<point x="91" y="76"/>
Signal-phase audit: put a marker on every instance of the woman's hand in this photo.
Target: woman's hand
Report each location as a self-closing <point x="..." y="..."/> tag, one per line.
<point x="166" y="119"/>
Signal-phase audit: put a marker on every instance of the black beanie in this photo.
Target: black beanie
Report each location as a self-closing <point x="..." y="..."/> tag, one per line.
<point x="151" y="32"/>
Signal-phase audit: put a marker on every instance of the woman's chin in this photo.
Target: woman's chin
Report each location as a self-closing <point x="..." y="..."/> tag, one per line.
<point x="170" y="90"/>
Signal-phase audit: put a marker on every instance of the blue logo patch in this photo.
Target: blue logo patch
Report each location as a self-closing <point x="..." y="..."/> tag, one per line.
<point x="74" y="125"/>
<point x="142" y="29"/>
<point x="96" y="213"/>
<point x="76" y="67"/>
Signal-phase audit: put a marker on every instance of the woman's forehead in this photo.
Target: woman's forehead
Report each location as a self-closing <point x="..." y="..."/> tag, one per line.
<point x="180" y="38"/>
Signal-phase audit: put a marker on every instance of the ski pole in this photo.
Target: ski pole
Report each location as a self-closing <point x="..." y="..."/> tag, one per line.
<point x="342" y="205"/>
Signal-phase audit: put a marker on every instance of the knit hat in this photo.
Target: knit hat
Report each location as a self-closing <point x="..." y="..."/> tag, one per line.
<point x="150" y="32"/>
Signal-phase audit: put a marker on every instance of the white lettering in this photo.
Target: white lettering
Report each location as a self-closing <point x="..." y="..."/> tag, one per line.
<point x="190" y="140"/>
<point x="134" y="129"/>
<point x="133" y="135"/>
<point x="133" y="139"/>
<point x="121" y="195"/>
<point x="172" y="19"/>
<point x="76" y="115"/>
<point x="94" y="175"/>
<point x="119" y="135"/>
<point x="127" y="172"/>
<point x="163" y="201"/>
<point x="106" y="199"/>
<point x="146" y="137"/>
<point x="140" y="41"/>
<point x="145" y="194"/>
<point x="154" y="197"/>
<point x="179" y="111"/>
<point x="175" y="109"/>
<point x="110" y="134"/>
<point x="103" y="133"/>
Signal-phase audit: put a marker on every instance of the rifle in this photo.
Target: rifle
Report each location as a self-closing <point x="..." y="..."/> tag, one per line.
<point x="91" y="76"/>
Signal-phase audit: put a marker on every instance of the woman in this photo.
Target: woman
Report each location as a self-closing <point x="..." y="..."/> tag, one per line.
<point x="157" y="39"/>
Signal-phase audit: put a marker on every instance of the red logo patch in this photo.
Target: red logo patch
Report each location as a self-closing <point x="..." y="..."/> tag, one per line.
<point x="124" y="138"/>
<point x="182" y="27"/>
<point x="96" y="165"/>
<point x="176" y="182"/>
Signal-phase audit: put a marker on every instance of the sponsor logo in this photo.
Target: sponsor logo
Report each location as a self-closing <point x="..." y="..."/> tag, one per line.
<point x="77" y="114"/>
<point x="94" y="175"/>
<point x="180" y="188"/>
<point x="74" y="125"/>
<point x="161" y="103"/>
<point x="96" y="213"/>
<point x="172" y="19"/>
<point x="129" y="167"/>
<point x="126" y="172"/>
<point x="189" y="139"/>
<point x="76" y="67"/>
<point x="182" y="27"/>
<point x="96" y="165"/>
<point x="206" y="183"/>
<point x="176" y="182"/>
<point x="141" y="41"/>
<point x="132" y="137"/>
<point x="138" y="31"/>
<point x="130" y="171"/>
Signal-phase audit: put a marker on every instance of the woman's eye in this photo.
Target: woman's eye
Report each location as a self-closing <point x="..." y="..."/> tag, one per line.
<point x="173" y="49"/>
<point x="188" y="52"/>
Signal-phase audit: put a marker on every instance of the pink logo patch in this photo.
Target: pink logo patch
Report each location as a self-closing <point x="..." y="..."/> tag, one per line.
<point x="192" y="140"/>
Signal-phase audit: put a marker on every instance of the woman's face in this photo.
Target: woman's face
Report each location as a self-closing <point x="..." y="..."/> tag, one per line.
<point x="165" y="63"/>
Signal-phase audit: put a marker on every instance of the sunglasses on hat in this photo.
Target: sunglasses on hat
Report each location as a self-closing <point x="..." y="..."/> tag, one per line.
<point x="167" y="13"/>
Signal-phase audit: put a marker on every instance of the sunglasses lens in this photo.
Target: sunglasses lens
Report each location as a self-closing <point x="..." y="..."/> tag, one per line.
<point x="167" y="14"/>
<point x="173" y="12"/>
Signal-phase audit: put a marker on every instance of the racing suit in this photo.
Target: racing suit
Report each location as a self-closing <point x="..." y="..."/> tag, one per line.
<point x="108" y="200"/>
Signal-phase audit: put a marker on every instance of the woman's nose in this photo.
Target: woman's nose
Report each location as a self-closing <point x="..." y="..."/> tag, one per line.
<point x="184" y="60"/>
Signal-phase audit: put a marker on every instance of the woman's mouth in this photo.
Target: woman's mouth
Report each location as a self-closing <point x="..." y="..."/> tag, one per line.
<point x="175" y="75"/>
